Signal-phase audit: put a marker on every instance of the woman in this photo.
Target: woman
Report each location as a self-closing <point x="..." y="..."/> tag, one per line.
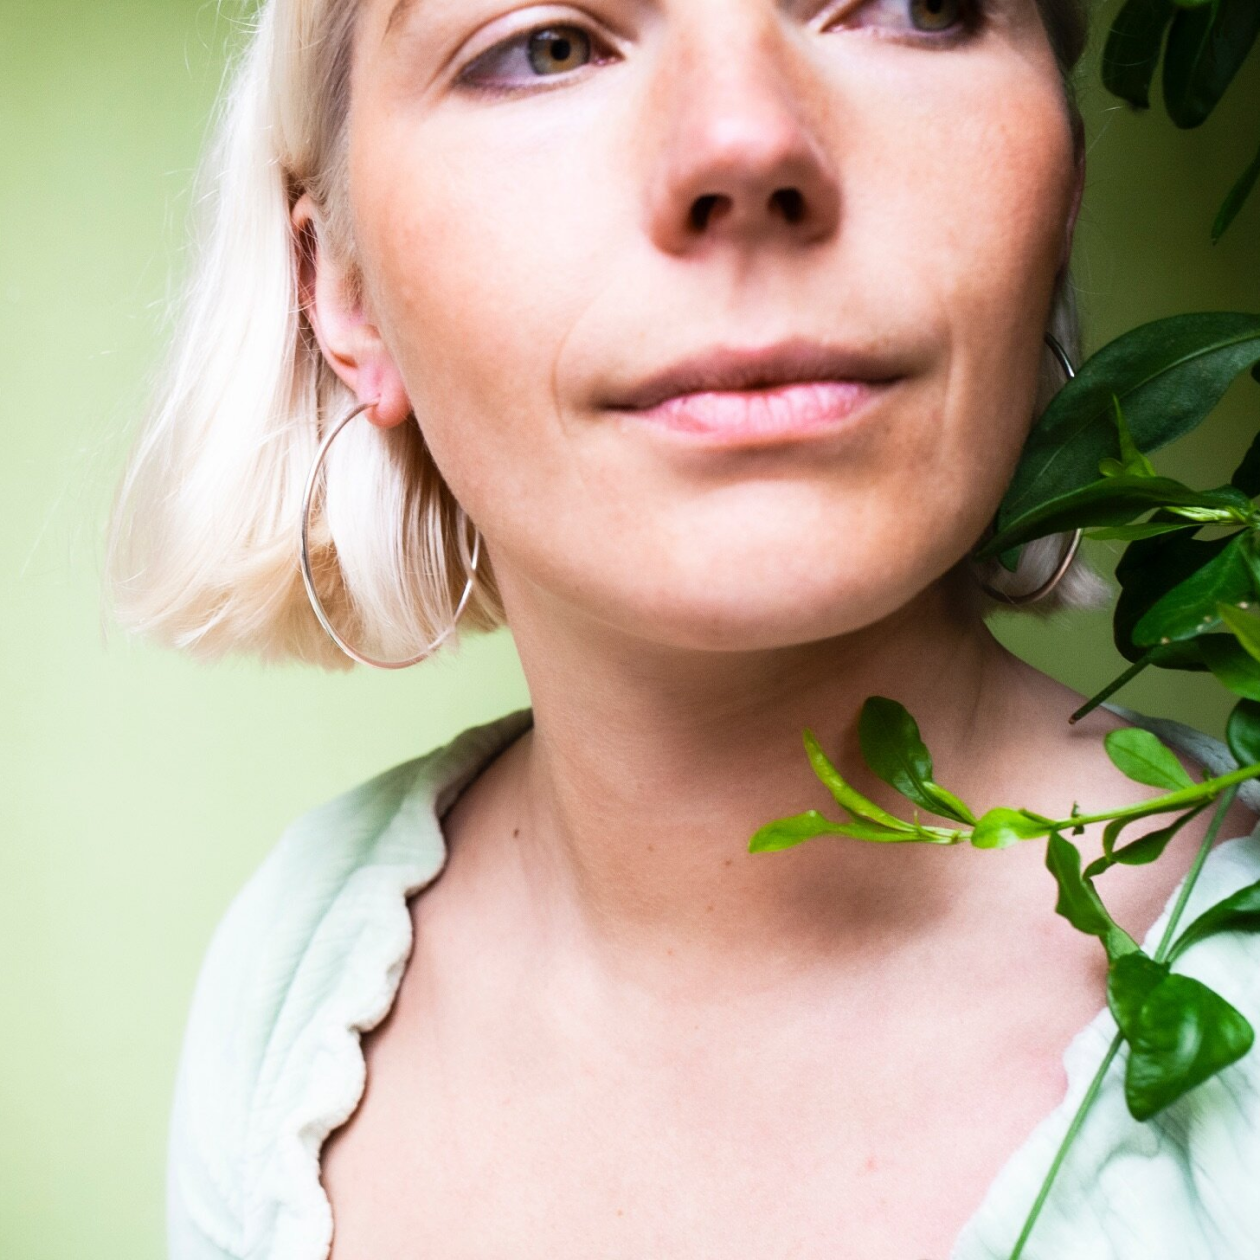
<point x="697" y="340"/>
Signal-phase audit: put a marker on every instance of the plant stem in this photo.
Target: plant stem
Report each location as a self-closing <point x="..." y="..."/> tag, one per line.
<point x="1112" y="687"/>
<point x="1187" y="885"/>
<point x="1173" y="801"/>
<point x="1068" y="1138"/>
<point x="1165" y="944"/>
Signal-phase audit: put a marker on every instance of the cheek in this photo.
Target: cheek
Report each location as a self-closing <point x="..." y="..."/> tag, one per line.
<point x="496" y="256"/>
<point x="488" y="263"/>
<point x="979" y="204"/>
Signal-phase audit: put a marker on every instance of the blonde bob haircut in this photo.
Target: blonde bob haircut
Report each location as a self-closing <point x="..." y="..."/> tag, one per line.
<point x="203" y="544"/>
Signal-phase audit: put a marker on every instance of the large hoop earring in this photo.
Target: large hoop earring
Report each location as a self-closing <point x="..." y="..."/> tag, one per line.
<point x="1074" y="543"/>
<point x="308" y="576"/>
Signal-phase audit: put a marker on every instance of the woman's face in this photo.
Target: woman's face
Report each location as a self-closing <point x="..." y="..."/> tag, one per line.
<point x="554" y="204"/>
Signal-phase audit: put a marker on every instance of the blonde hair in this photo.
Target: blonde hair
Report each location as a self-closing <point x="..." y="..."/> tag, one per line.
<point x="202" y="552"/>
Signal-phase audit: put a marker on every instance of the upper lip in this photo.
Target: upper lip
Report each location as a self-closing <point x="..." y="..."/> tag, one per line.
<point x="734" y="368"/>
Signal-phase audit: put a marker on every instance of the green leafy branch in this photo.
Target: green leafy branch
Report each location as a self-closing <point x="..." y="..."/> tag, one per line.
<point x="1190" y="587"/>
<point x="1179" y="1032"/>
<point x="1184" y="600"/>
<point x="1204" y="44"/>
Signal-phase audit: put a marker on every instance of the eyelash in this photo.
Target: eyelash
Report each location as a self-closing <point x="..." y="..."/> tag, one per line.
<point x="974" y="16"/>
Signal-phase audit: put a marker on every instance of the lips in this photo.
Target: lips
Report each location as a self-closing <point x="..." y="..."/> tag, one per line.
<point x="767" y="368"/>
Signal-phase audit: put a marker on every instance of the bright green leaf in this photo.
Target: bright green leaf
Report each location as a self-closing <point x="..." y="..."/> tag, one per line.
<point x="1001" y="828"/>
<point x="1132" y="460"/>
<point x="1079" y="902"/>
<point x="1140" y="756"/>
<point x="849" y="797"/>
<point x="786" y="833"/>
<point x="1144" y="850"/>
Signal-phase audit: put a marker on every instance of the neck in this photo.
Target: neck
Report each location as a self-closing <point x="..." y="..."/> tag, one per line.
<point x="647" y="772"/>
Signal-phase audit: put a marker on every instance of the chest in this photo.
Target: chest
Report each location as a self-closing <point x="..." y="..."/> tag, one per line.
<point x="491" y="1132"/>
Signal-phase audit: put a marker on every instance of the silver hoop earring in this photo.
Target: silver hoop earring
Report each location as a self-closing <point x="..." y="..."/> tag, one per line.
<point x="308" y="576"/>
<point x="1074" y="543"/>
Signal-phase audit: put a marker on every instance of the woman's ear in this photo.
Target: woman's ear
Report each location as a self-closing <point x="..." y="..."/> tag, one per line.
<point x="350" y="342"/>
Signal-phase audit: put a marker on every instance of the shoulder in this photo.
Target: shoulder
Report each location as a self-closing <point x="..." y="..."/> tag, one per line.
<point x="307" y="954"/>
<point x="1180" y="1186"/>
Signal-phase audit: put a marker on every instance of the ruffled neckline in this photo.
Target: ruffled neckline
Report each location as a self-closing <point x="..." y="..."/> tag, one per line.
<point x="411" y="854"/>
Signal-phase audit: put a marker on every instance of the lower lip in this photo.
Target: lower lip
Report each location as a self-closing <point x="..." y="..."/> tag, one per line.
<point x="762" y="417"/>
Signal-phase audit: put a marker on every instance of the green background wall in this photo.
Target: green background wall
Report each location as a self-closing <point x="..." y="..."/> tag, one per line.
<point x="139" y="790"/>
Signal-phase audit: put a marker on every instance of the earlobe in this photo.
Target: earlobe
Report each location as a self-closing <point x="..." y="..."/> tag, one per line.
<point x="350" y="343"/>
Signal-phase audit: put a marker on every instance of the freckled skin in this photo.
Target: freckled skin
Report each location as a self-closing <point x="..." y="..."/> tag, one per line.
<point x="546" y="237"/>
<point x="620" y="1034"/>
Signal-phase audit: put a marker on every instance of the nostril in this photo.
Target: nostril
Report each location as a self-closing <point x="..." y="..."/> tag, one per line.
<point x="702" y="210"/>
<point x="790" y="203"/>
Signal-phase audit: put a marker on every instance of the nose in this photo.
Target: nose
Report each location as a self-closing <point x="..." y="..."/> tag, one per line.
<point x="733" y="153"/>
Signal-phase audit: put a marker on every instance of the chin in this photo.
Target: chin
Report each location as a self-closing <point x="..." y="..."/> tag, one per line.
<point x="759" y="609"/>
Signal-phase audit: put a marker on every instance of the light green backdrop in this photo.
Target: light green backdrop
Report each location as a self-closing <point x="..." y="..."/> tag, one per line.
<point x="137" y="790"/>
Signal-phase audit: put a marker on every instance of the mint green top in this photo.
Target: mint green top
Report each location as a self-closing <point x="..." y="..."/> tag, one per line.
<point x="311" y="951"/>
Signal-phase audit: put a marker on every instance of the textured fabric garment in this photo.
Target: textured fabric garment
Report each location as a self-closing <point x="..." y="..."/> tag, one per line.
<point x="311" y="951"/>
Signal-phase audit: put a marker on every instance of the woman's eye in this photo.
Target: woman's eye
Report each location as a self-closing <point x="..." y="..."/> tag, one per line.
<point x="926" y="17"/>
<point x="935" y="15"/>
<point x="546" y="52"/>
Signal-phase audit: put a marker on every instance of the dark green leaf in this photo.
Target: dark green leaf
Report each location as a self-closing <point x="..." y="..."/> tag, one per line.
<point x="1206" y="46"/>
<point x="1237" y="913"/>
<point x="845" y="795"/>
<point x="1147" y="571"/>
<point x="895" y="751"/>
<point x="1242" y="732"/>
<point x="1183" y="1035"/>
<point x="1233" y="666"/>
<point x="1079" y="903"/>
<point x="1144" y="529"/>
<point x="1251" y="557"/>
<point x="1245" y="629"/>
<point x="1131" y="52"/>
<point x="1169" y="374"/>
<point x="1236" y="198"/>
<point x="1190" y="608"/>
<point x="1113" y="500"/>
<point x="1247" y="475"/>
<point x="1131" y="979"/>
